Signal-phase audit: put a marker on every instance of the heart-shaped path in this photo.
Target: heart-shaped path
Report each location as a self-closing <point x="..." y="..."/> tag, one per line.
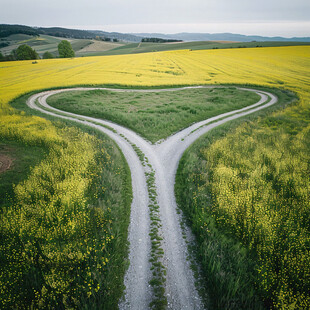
<point x="162" y="159"/>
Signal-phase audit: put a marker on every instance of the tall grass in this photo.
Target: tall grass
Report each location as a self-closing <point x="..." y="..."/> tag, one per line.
<point x="64" y="231"/>
<point x="246" y="192"/>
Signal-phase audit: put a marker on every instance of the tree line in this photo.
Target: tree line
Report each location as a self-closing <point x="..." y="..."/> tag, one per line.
<point x="25" y="52"/>
<point x="7" y="30"/>
<point x="159" y="40"/>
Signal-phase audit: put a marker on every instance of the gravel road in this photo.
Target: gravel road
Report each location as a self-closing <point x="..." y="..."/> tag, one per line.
<point x="164" y="157"/>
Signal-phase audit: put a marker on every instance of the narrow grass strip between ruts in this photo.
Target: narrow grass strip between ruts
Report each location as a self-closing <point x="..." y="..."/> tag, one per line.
<point x="158" y="280"/>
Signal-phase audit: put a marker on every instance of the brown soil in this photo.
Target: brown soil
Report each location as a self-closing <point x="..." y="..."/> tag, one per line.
<point x="5" y="163"/>
<point x="98" y="46"/>
<point x="6" y="160"/>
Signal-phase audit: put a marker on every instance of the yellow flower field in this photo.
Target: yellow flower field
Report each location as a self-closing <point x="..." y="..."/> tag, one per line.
<point x="279" y="67"/>
<point x="272" y="66"/>
<point x="282" y="67"/>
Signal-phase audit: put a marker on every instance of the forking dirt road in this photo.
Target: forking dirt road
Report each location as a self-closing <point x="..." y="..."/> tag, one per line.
<point x="163" y="158"/>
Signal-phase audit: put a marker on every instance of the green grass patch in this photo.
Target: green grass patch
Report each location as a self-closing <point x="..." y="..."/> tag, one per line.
<point x="154" y="115"/>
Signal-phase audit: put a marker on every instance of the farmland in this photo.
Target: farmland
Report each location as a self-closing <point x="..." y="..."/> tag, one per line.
<point x="249" y="186"/>
<point x="136" y="48"/>
<point x="43" y="43"/>
<point x="283" y="66"/>
<point x="92" y="47"/>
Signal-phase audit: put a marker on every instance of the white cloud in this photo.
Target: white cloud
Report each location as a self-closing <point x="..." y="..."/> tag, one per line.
<point x="202" y="15"/>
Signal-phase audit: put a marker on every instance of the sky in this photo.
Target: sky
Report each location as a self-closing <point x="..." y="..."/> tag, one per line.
<point x="264" y="17"/>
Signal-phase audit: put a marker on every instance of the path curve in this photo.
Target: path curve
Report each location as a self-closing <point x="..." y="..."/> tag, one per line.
<point x="164" y="158"/>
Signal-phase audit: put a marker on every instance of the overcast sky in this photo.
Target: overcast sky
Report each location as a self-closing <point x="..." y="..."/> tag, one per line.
<point x="261" y="17"/>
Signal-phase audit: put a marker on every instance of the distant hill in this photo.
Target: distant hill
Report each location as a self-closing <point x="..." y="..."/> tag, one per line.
<point x="99" y="43"/>
<point x="220" y="37"/>
<point x="117" y="35"/>
<point x="7" y="30"/>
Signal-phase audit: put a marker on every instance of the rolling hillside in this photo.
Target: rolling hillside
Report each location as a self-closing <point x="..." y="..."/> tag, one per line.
<point x="221" y="37"/>
<point x="41" y="43"/>
<point x="91" y="43"/>
<point x="135" y="48"/>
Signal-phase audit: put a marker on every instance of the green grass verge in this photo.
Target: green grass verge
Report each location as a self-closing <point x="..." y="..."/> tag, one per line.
<point x="229" y="264"/>
<point x="154" y="115"/>
<point x="159" y="300"/>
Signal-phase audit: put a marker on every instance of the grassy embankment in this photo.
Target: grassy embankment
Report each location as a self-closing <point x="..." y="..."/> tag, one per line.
<point x="154" y="115"/>
<point x="64" y="221"/>
<point x="21" y="159"/>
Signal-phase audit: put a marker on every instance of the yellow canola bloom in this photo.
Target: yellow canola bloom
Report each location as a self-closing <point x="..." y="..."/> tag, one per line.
<point x="279" y="67"/>
<point x="285" y="67"/>
<point x="276" y="66"/>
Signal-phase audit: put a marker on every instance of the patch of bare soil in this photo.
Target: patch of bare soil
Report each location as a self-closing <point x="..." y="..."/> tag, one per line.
<point x="5" y="162"/>
<point x="98" y="46"/>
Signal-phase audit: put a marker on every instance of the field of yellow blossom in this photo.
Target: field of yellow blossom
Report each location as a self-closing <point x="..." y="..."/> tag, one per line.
<point x="259" y="191"/>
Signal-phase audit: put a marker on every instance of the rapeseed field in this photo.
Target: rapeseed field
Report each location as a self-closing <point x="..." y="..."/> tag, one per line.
<point x="260" y="191"/>
<point x="280" y="66"/>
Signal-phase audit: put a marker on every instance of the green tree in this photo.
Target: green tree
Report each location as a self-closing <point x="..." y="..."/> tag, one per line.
<point x="48" y="55"/>
<point x="1" y="57"/>
<point x="65" y="49"/>
<point x="25" y="52"/>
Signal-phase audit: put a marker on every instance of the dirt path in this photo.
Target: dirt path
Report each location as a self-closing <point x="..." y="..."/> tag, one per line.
<point x="163" y="157"/>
